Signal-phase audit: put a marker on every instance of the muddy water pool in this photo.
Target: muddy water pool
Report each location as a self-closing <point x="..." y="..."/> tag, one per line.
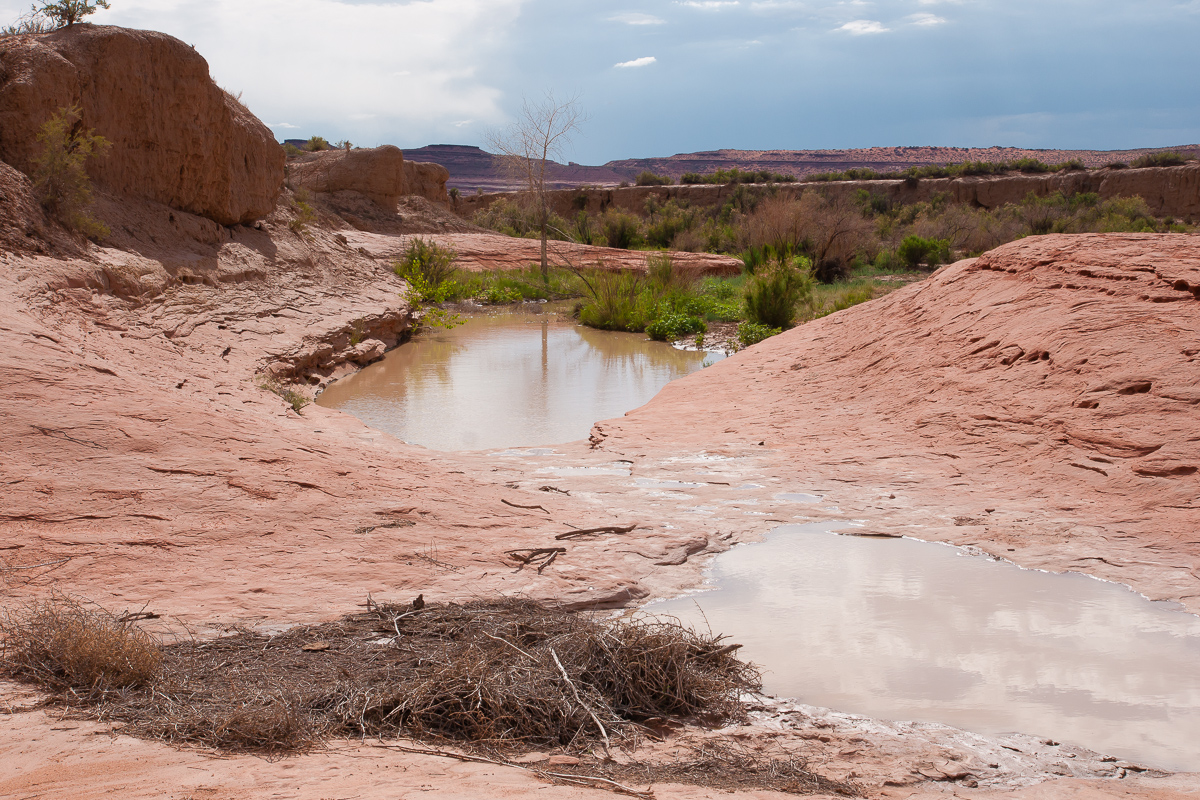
<point x="907" y="630"/>
<point x="507" y="379"/>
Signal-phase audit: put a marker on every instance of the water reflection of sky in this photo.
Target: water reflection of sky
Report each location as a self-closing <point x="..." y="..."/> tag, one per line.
<point x="508" y="380"/>
<point x="900" y="629"/>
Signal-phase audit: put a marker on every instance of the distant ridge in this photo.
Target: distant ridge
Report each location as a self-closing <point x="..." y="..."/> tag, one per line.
<point x="472" y="168"/>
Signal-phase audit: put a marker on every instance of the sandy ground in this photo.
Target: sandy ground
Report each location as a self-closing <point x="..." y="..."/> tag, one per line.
<point x="145" y="466"/>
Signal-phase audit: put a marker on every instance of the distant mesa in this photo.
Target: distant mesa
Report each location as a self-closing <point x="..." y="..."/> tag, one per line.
<point x="472" y="168"/>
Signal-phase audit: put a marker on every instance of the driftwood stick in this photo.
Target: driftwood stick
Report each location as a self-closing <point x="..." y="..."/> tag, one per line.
<point x="574" y="691"/>
<point x="518" y="505"/>
<point x="602" y="529"/>
<point x="557" y="776"/>
<point x="588" y="779"/>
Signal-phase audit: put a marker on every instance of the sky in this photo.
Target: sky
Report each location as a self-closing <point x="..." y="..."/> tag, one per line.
<point x="659" y="77"/>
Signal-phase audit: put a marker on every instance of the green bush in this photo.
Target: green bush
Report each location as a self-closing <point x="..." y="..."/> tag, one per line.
<point x="429" y="271"/>
<point x="1165" y="159"/>
<point x="60" y="178"/>
<point x="648" y="178"/>
<point x="68" y="12"/>
<point x="917" y="250"/>
<point x="290" y="150"/>
<point x="773" y="295"/>
<point x="315" y="144"/>
<point x="749" y="333"/>
<point x="672" y="326"/>
<point x="612" y="303"/>
<point x="622" y="230"/>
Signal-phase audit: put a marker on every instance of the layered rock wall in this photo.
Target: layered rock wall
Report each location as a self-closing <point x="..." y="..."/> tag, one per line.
<point x="1168" y="191"/>
<point x="177" y="138"/>
<point x="376" y="172"/>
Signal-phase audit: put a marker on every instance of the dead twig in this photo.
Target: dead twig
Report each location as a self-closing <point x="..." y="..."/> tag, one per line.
<point x="541" y="556"/>
<point x="591" y="780"/>
<point x="586" y="707"/>
<point x="518" y="505"/>
<point x="592" y="531"/>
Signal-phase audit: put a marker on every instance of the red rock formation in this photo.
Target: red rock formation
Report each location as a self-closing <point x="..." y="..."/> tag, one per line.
<point x="177" y="138"/>
<point x="1041" y="402"/>
<point x="427" y="180"/>
<point x="376" y="172"/>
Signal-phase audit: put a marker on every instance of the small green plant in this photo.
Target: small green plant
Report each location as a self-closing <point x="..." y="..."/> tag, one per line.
<point x="672" y="326"/>
<point x="60" y="179"/>
<point x="773" y="294"/>
<point x="292" y="397"/>
<point x="305" y="213"/>
<point x="749" y="333"/>
<point x="648" y="178"/>
<point x="613" y="301"/>
<point x="343" y="144"/>
<point x="316" y="144"/>
<point x="455" y="192"/>
<point x="290" y="150"/>
<point x="68" y="12"/>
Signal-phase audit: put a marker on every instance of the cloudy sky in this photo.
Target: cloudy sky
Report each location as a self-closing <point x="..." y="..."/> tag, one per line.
<point x="657" y="77"/>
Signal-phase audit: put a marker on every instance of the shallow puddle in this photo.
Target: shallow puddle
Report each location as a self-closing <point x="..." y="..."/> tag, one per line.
<point x="509" y="379"/>
<point x="907" y="630"/>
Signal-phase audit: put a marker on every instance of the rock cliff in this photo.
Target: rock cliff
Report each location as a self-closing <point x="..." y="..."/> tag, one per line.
<point x="177" y="138"/>
<point x="377" y="173"/>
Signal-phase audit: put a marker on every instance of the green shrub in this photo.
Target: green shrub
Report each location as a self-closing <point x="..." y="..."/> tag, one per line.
<point x="1165" y="159"/>
<point x="648" y="178"/>
<point x="60" y="179"/>
<point x="749" y="333"/>
<point x="429" y="271"/>
<point x="735" y="176"/>
<point x="773" y="295"/>
<point x="305" y="213"/>
<point x="672" y="326"/>
<point x="499" y="294"/>
<point x="621" y="229"/>
<point x="852" y="296"/>
<point x="612" y="303"/>
<point x="290" y="150"/>
<point x="68" y="12"/>
<point x="916" y="250"/>
<point x="316" y="144"/>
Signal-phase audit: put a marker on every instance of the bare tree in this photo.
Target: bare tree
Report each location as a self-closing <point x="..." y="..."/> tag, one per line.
<point x="536" y="138"/>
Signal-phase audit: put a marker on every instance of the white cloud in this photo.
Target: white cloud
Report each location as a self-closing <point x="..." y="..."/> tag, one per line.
<point x="859" y="27"/>
<point x="779" y="5"/>
<point x="637" y="18"/>
<point x="645" y="61"/>
<point x="283" y="125"/>
<point x="925" y="20"/>
<point x="362" y="70"/>
<point x="707" y="3"/>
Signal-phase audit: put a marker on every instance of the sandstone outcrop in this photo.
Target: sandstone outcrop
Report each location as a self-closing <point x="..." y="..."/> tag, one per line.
<point x="1040" y="402"/>
<point x="427" y="180"/>
<point x="177" y="138"/>
<point x="378" y="173"/>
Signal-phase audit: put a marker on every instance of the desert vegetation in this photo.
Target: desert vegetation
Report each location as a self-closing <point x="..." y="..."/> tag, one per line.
<point x="803" y="256"/>
<point x="60" y="177"/>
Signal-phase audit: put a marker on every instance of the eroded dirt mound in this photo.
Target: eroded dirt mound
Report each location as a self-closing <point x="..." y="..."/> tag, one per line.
<point x="177" y="138"/>
<point x="1041" y="402"/>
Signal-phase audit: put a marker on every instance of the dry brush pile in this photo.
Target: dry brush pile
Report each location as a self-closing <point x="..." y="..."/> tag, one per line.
<point x="500" y="675"/>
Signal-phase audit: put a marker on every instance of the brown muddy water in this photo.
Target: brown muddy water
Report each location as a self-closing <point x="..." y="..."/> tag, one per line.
<point x="512" y="378"/>
<point x="907" y="630"/>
